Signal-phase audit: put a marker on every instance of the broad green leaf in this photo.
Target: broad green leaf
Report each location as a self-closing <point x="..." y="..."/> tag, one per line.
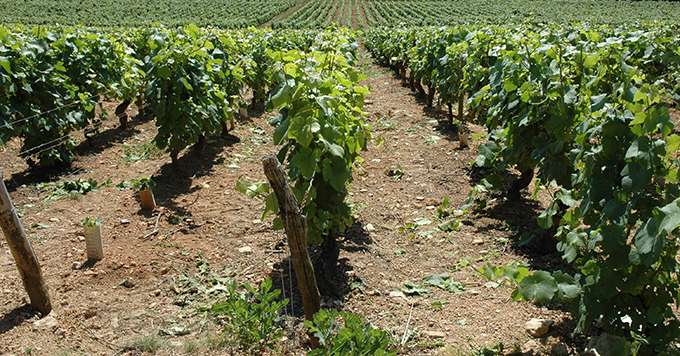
<point x="281" y="98"/>
<point x="413" y="289"/>
<point x="567" y="286"/>
<point x="4" y="63"/>
<point x="304" y="160"/>
<point x="539" y="287"/>
<point x="509" y="85"/>
<point x="649" y="242"/>
<point x="671" y="220"/>
<point x="445" y="282"/>
<point x="334" y="149"/>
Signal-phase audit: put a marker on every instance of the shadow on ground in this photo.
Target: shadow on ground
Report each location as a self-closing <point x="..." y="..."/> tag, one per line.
<point x="95" y="145"/>
<point x="528" y="239"/>
<point x="174" y="180"/>
<point x="16" y="317"/>
<point x="336" y="281"/>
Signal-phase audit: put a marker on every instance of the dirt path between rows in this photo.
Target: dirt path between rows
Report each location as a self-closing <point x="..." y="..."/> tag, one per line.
<point x="412" y="164"/>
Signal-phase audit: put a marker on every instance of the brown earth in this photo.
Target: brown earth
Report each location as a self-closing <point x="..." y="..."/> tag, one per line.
<point x="202" y="215"/>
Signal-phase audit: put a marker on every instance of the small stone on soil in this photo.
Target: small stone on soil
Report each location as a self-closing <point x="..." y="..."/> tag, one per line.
<point x="538" y="327"/>
<point x="128" y="283"/>
<point x="47" y="323"/>
<point x="246" y="250"/>
<point x="397" y="294"/>
<point x="374" y="292"/>
<point x="434" y="334"/>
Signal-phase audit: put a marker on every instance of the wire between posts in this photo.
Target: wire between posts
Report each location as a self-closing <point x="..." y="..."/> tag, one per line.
<point x="12" y="123"/>
<point x="59" y="141"/>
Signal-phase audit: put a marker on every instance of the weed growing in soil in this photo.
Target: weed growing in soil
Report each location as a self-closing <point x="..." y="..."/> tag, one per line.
<point x="251" y="317"/>
<point x="202" y="289"/>
<point x="140" y="152"/>
<point x="343" y="333"/>
<point x="445" y="282"/>
<point x="147" y="344"/>
<point x="73" y="189"/>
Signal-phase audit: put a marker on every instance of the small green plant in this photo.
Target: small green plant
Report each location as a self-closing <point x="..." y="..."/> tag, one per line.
<point x="73" y="189"/>
<point x="445" y="282"/>
<point x="386" y="124"/>
<point x="448" y="216"/>
<point x="147" y="344"/>
<point x="140" y="152"/>
<point x="251" y="316"/>
<point x="343" y="333"/>
<point x="414" y="289"/>
<point x="540" y="287"/>
<point x="141" y="183"/>
<point x="432" y="139"/>
<point x="478" y="198"/>
<point x="497" y="349"/>
<point x="91" y="222"/>
<point x="395" y="173"/>
<point x="190" y="347"/>
<point x="203" y="288"/>
<point x="461" y="264"/>
<point x="438" y="305"/>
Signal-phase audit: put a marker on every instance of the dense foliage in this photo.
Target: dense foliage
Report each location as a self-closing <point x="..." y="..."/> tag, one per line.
<point x="586" y="109"/>
<point x="224" y="13"/>
<point x="192" y="81"/>
<point x="194" y="85"/>
<point x="50" y="83"/>
<point x="317" y="13"/>
<point x="320" y="127"/>
<point x="343" y="333"/>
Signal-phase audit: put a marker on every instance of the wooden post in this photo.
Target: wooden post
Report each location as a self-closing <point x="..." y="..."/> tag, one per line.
<point x="462" y="133"/>
<point x="25" y="259"/>
<point x="296" y="230"/>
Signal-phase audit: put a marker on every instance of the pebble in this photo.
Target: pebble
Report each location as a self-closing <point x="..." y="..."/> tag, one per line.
<point x="397" y="294"/>
<point x="370" y="227"/>
<point x="124" y="221"/>
<point x="128" y="283"/>
<point x="246" y="250"/>
<point x="374" y="292"/>
<point x="538" y="327"/>
<point x="49" y="323"/>
<point x="478" y="241"/>
<point x="434" y="334"/>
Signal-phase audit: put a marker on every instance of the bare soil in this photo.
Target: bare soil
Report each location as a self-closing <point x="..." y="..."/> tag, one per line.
<point x="202" y="216"/>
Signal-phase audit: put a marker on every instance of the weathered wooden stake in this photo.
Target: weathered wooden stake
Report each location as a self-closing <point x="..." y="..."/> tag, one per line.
<point x="296" y="230"/>
<point x="462" y="133"/>
<point x="25" y="259"/>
